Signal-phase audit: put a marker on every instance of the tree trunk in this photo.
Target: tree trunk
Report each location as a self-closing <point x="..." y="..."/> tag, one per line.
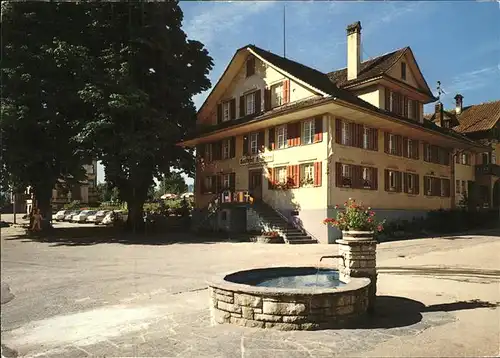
<point x="43" y="197"/>
<point x="135" y="219"/>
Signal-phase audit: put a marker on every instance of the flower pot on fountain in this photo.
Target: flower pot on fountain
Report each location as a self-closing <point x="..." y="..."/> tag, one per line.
<point x="358" y="245"/>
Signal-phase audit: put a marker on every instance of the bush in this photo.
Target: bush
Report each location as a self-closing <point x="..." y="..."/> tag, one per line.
<point x="445" y="221"/>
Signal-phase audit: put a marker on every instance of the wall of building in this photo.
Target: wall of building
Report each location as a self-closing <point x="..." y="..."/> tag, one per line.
<point x="389" y="205"/>
<point x="264" y="77"/>
<point x="395" y="72"/>
<point x="371" y="95"/>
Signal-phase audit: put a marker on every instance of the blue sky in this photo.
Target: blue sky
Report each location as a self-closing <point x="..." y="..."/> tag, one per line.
<point x="456" y="42"/>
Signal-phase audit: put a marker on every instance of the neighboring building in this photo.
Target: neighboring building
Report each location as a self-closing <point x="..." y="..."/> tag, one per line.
<point x="476" y="176"/>
<point x="85" y="191"/>
<point x="300" y="141"/>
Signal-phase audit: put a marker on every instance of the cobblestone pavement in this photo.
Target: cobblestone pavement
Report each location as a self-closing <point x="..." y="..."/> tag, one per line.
<point x="437" y="297"/>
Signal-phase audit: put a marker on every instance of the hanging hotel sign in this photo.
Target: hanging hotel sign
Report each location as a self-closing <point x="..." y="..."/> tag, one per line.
<point x="256" y="159"/>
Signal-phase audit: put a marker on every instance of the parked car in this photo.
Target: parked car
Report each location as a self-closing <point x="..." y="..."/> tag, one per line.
<point x="82" y="216"/>
<point x="113" y="216"/>
<point x="60" y="215"/>
<point x="97" y="217"/>
<point x="71" y="214"/>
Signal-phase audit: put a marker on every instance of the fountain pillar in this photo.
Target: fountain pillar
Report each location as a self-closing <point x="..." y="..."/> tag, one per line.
<point x="360" y="261"/>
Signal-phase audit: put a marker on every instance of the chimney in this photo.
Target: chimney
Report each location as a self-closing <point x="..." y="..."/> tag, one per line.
<point x="439" y="114"/>
<point x="458" y="103"/>
<point x="353" y="50"/>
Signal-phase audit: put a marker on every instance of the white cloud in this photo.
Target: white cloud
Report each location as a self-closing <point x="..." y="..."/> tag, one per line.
<point x="473" y="80"/>
<point x="219" y="20"/>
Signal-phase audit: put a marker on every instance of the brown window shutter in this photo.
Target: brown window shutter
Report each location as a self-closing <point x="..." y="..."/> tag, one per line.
<point x="272" y="138"/>
<point x="245" y="144"/>
<point x="338" y="174"/>
<point x="447" y="187"/>
<point x="219" y="113"/>
<point x="286" y="91"/>
<point x="360" y="135"/>
<point x="242" y="106"/>
<point x="434" y="154"/>
<point x="374" y="144"/>
<point x="405" y="106"/>
<point x="296" y="176"/>
<point x="399" y="182"/>
<point x="260" y="141"/>
<point x="405" y="148"/>
<point x="232" y="148"/>
<point x="289" y="175"/>
<point x="416" y="149"/>
<point x="357" y="176"/>
<point x="267" y="99"/>
<point x="232" y="108"/>
<point x="446" y="157"/>
<point x="386" y="179"/>
<point x="405" y="182"/>
<point x="216" y="184"/>
<point x="386" y="142"/>
<point x="426" y="185"/>
<point x="399" y="145"/>
<point x="270" y="178"/>
<point x="297" y="133"/>
<point x="417" y="110"/>
<point x="318" y="129"/>
<point x="338" y="131"/>
<point x="250" y="66"/>
<point x="352" y="134"/>
<point x="258" y="104"/>
<point x="317" y="173"/>
<point x="290" y="128"/>
<point x="387" y="99"/>
<point x="375" y="178"/>
<point x="232" y="181"/>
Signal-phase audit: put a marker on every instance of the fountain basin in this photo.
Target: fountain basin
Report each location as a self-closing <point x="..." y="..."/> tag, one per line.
<point x="252" y="298"/>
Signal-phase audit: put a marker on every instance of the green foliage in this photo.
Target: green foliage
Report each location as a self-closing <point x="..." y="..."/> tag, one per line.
<point x="355" y="217"/>
<point x="107" y="193"/>
<point x="146" y="72"/>
<point x="172" y="183"/>
<point x="74" y="205"/>
<point x="43" y="68"/>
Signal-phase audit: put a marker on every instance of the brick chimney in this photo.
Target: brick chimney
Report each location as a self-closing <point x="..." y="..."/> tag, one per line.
<point x="439" y="114"/>
<point x="458" y="103"/>
<point x="353" y="50"/>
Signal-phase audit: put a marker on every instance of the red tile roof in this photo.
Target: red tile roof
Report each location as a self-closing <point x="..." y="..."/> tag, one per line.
<point x="478" y="117"/>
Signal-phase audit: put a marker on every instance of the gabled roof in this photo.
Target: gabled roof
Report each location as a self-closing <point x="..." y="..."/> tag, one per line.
<point x="311" y="76"/>
<point x="371" y="68"/>
<point x="374" y="68"/>
<point x="479" y="117"/>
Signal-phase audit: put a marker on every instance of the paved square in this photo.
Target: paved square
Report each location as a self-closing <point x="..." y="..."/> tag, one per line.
<point x="437" y="297"/>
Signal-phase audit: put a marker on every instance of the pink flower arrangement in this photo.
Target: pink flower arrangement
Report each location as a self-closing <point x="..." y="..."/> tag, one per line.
<point x="355" y="217"/>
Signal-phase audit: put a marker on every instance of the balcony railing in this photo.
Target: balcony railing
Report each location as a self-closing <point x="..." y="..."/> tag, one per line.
<point x="488" y="169"/>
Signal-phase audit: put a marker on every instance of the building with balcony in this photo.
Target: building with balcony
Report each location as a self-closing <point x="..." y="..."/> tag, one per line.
<point x="279" y="144"/>
<point x="477" y="175"/>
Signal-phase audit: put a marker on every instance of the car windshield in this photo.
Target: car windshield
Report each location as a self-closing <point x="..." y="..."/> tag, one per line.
<point x="92" y="212"/>
<point x="101" y="212"/>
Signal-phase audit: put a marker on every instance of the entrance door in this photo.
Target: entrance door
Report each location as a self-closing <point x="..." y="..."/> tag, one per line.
<point x="255" y="183"/>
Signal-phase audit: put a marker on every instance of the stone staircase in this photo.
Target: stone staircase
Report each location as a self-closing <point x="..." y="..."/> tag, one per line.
<point x="291" y="233"/>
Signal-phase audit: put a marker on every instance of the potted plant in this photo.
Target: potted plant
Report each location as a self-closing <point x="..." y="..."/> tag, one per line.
<point x="356" y="222"/>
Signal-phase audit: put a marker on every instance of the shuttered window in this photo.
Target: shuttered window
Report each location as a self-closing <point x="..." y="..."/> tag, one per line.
<point x="356" y="135"/>
<point x="281" y="136"/>
<point x="436" y="186"/>
<point x="356" y="176"/>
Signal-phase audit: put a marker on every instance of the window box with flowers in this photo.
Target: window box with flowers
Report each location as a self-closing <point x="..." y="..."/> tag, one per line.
<point x="356" y="222"/>
<point x="307" y="182"/>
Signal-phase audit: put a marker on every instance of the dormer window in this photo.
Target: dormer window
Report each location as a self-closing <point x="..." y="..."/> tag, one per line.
<point x="277" y="95"/>
<point x="250" y="66"/>
<point x="250" y="103"/>
<point x="226" y="111"/>
<point x="403" y="70"/>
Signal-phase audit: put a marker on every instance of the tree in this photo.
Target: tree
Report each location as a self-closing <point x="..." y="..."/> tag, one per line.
<point x="43" y="69"/>
<point x="107" y="193"/>
<point x="145" y="73"/>
<point x="172" y="183"/>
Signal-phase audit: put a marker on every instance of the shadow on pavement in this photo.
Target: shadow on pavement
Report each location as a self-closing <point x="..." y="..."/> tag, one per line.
<point x="91" y="235"/>
<point x="394" y="312"/>
<point x="461" y="274"/>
